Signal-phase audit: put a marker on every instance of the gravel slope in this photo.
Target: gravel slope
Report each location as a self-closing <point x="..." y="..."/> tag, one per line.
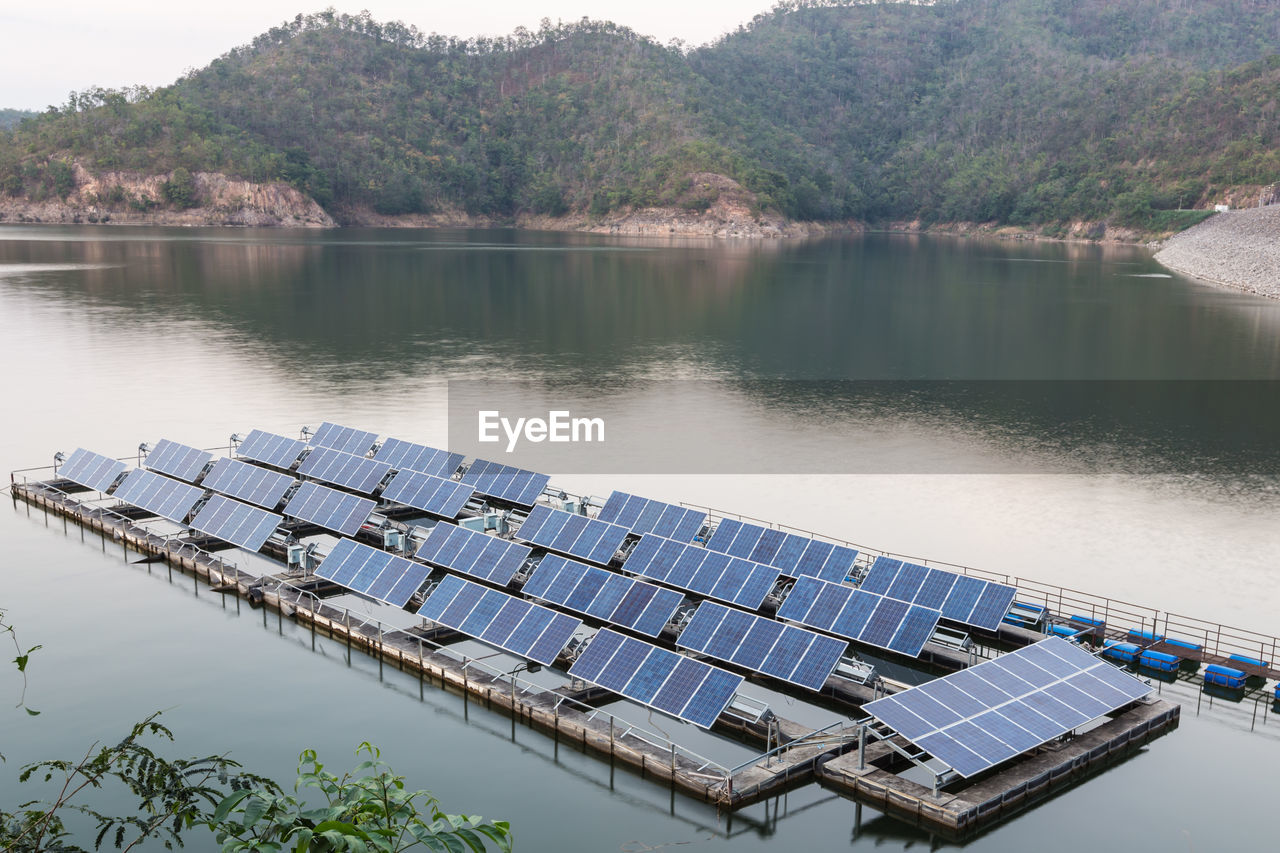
<point x="1239" y="249"/>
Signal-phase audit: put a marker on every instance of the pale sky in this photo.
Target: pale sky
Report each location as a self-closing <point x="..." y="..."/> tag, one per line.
<point x="47" y="49"/>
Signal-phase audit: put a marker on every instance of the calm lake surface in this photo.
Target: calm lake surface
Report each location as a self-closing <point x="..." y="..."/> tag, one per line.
<point x="1068" y="414"/>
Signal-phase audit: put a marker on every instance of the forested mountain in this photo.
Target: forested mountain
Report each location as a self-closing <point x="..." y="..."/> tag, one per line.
<point x="1019" y="111"/>
<point x="9" y="118"/>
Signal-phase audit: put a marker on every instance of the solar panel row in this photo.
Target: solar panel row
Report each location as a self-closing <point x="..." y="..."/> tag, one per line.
<point x="971" y="601"/>
<point x="156" y="493"/>
<point x="260" y="486"/>
<point x="572" y="534"/>
<point x="358" y="473"/>
<point x="473" y="553"/>
<point x="177" y="460"/>
<point x="498" y="619"/>
<point x="329" y="508"/>
<point x="504" y="482"/>
<point x="237" y="523"/>
<point x="271" y="449"/>
<point x="699" y="570"/>
<point x="91" y="470"/>
<point x="605" y="595"/>
<point x="435" y="495"/>
<point x="403" y="455"/>
<point x="345" y="439"/>
<point x="978" y="717"/>
<point x="790" y="554"/>
<point x="859" y="615"/>
<point x="642" y="515"/>
<point x="755" y="642"/>
<point x="661" y="679"/>
<point x="375" y="573"/>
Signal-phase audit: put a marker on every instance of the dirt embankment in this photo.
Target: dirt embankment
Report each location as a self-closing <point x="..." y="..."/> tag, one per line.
<point x="1239" y="249"/>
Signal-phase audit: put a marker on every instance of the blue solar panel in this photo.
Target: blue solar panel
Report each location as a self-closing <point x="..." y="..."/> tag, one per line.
<point x="642" y="515"/>
<point x="271" y="449"/>
<point x="358" y="473"/>
<point x="968" y="600"/>
<point x="91" y="470"/>
<point x="256" y="485"/>
<point x="375" y="573"/>
<point x="237" y="523"/>
<point x="860" y="615"/>
<point x="514" y="485"/>
<point x="680" y="686"/>
<point x="981" y="716"/>
<point x="792" y="555"/>
<point x="699" y="570"/>
<point x="603" y="594"/>
<point x="329" y="508"/>
<point x="538" y="634"/>
<point x="345" y="439"/>
<point x="177" y="460"/>
<point x="165" y="497"/>
<point x="471" y="552"/>
<point x="402" y="455"/>
<point x="576" y="535"/>
<point x="429" y="493"/>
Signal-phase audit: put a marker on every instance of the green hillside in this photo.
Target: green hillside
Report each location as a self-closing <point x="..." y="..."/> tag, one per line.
<point x="1019" y="111"/>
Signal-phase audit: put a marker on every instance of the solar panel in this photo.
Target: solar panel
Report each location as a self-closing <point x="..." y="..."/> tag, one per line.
<point x="271" y="449"/>
<point x="860" y="615"/>
<point x="358" y="473"/>
<point x="473" y="553"/>
<point x="91" y="470"/>
<point x="237" y="523"/>
<point x="260" y="486"/>
<point x="504" y="482"/>
<point x="756" y="642"/>
<point x="794" y="556"/>
<point x="660" y="679"/>
<point x="605" y="595"/>
<point x="345" y="439"/>
<point x="418" y="457"/>
<point x="501" y="620"/>
<point x="577" y="535"/>
<point x="177" y="460"/>
<point x="329" y="508"/>
<point x="970" y="601"/>
<point x="159" y="494"/>
<point x="435" y="495"/>
<point x="699" y="570"/>
<point x="642" y="515"/>
<point x="978" y="717"/>
<point x="375" y="573"/>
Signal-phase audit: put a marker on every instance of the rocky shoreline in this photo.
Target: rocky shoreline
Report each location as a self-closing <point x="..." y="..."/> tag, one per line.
<point x="1238" y="249"/>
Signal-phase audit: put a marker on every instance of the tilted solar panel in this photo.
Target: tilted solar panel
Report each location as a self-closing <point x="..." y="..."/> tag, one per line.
<point x="428" y="493"/>
<point x="329" y="508"/>
<point x="165" y="497"/>
<point x="699" y="570"/>
<point x="501" y="620"/>
<point x="603" y="594"/>
<point x="860" y="615"/>
<point x="177" y="460"/>
<point x="964" y="599"/>
<point x="91" y="470"/>
<point x="576" y="535"/>
<point x="661" y="679"/>
<point x="473" y="553"/>
<point x="981" y="716"/>
<point x="345" y="439"/>
<point x="375" y="573"/>
<point x="358" y="473"/>
<point x="642" y="515"/>
<point x="260" y="486"/>
<point x="271" y="449"/>
<point x="504" y="482"/>
<point x="794" y="556"/>
<point x="403" y="455"/>
<point x="237" y="523"/>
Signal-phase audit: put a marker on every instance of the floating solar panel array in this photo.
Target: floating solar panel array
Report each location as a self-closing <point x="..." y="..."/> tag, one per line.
<point x="978" y="717"/>
<point x="971" y="601"/>
<point x="501" y="620"/>
<point x="156" y="493"/>
<point x="91" y="470"/>
<point x="755" y="642"/>
<point x="237" y="523"/>
<point x="576" y="535"/>
<point x="860" y="615"/>
<point x="271" y="449"/>
<point x="473" y="553"/>
<point x="790" y="554"/>
<point x="177" y="460"/>
<point x="345" y="439"/>
<point x="641" y="515"/>
<point x="358" y="473"/>
<point x="256" y="485"/>
<point x="661" y="679"/>
<point x="699" y="570"/>
<point x="429" y="493"/>
<point x="329" y="508"/>
<point x="504" y="482"/>
<point x="418" y="457"/>
<point x="375" y="573"/>
<point x="606" y="595"/>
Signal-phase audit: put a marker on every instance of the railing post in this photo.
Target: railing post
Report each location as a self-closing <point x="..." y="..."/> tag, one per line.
<point x="862" y="747"/>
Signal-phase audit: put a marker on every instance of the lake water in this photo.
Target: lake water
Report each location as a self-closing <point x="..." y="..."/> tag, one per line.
<point x="1067" y="414"/>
